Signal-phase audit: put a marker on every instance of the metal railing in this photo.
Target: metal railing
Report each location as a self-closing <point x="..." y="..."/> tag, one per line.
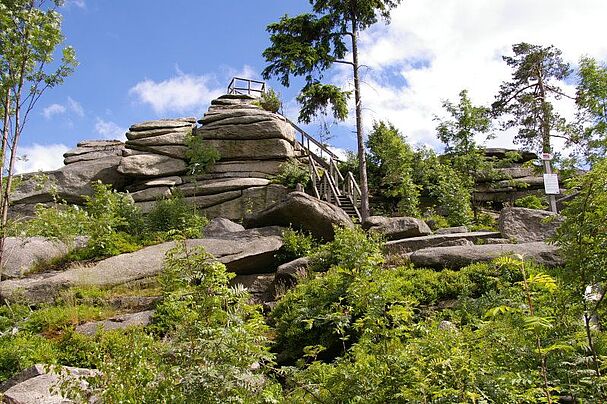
<point x="243" y="86"/>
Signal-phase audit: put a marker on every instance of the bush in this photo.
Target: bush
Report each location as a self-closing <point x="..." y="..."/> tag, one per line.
<point x="201" y="156"/>
<point x="172" y="217"/>
<point x="292" y="173"/>
<point x="270" y="101"/>
<point x="296" y="244"/>
<point x="531" y="202"/>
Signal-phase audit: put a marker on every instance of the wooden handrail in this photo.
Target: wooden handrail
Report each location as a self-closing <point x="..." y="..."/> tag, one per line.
<point x="306" y="138"/>
<point x="249" y="89"/>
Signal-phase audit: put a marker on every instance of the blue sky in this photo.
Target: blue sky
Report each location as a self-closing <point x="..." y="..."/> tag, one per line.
<point x="142" y="60"/>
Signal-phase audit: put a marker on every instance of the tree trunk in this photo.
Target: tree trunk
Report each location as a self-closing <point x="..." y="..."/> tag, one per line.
<point x="5" y="124"/>
<point x="362" y="158"/>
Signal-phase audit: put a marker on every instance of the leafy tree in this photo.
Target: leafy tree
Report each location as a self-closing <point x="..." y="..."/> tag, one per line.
<point x="591" y="100"/>
<point x="30" y="31"/>
<point x="391" y="169"/>
<point x="309" y="44"/>
<point x="583" y="241"/>
<point x="527" y="100"/>
<point x="458" y="134"/>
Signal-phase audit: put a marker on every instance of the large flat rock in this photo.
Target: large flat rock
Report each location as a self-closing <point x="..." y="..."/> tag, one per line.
<point x="20" y="255"/>
<point x="408" y="245"/>
<point x="171" y="138"/>
<point x="460" y="256"/>
<point x="120" y="322"/>
<point x="397" y="227"/>
<point x="303" y="212"/>
<point x="263" y="149"/>
<point x="70" y="182"/>
<point x="39" y="384"/>
<point x="151" y="165"/>
<point x="251" y="200"/>
<point x="208" y="187"/>
<point x="245" y="252"/>
<point x="524" y="225"/>
<point x="248" y="127"/>
<point x="163" y="124"/>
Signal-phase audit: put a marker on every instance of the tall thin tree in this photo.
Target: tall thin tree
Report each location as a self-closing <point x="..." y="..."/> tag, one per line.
<point x="308" y="45"/>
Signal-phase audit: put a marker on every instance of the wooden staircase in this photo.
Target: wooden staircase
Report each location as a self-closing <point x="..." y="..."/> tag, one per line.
<point x="326" y="181"/>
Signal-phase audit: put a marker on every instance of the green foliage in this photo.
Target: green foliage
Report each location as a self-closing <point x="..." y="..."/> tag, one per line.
<point x="315" y="98"/>
<point x="526" y="100"/>
<point x="444" y="185"/>
<point x="171" y="217"/>
<point x="591" y="100"/>
<point x="201" y="155"/>
<point x="296" y="244"/>
<point x="531" y="202"/>
<point x="292" y="173"/>
<point x="270" y="101"/>
<point x="390" y="165"/>
<point x="216" y="339"/>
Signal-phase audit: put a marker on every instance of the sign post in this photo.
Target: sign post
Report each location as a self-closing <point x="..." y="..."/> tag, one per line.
<point x="551" y="182"/>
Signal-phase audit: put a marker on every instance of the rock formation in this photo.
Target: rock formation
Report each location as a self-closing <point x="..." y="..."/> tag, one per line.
<point x="152" y="163"/>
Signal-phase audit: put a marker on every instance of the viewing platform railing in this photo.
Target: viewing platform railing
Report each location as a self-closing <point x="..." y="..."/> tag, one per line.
<point x="243" y="86"/>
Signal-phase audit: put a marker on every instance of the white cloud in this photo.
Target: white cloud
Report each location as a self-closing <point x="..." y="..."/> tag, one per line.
<point x="434" y="48"/>
<point x="53" y="109"/>
<point x="40" y="157"/>
<point x="76" y="3"/>
<point x="183" y="93"/>
<point x="109" y="130"/>
<point x="75" y="107"/>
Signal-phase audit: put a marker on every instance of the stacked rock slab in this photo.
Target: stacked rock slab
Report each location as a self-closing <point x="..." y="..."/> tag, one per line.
<point x="252" y="143"/>
<point x="90" y="161"/>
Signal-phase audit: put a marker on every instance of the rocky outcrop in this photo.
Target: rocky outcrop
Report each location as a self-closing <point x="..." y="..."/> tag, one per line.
<point x="21" y="255"/>
<point x="246" y="252"/>
<point x="397" y="227"/>
<point x="303" y="212"/>
<point x="152" y="163"/>
<point x="459" y="256"/>
<point x="39" y="384"/>
<point x="524" y="225"/>
<point x="451" y="230"/>
<point x="288" y="274"/>
<point x="220" y="226"/>
<point x="123" y="321"/>
<point x="407" y="245"/>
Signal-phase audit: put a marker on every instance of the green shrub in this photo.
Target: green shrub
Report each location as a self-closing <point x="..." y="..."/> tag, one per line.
<point x="292" y="173"/>
<point x="171" y="217"/>
<point x="270" y="101"/>
<point x="296" y="244"/>
<point x="531" y="202"/>
<point x="201" y="155"/>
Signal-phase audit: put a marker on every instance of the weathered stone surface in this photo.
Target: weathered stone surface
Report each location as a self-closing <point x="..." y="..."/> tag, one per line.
<point x="288" y="274"/>
<point x="151" y="194"/>
<point x="460" y="256"/>
<point x="39" y="384"/>
<point x="248" y="128"/>
<point x="95" y="155"/>
<point x="157" y="132"/>
<point x="246" y="252"/>
<point x="304" y="212"/>
<point x="417" y="243"/>
<point x="162" y="124"/>
<point x="100" y="143"/>
<point x="251" y="200"/>
<point x="166" y="181"/>
<point x="397" y="227"/>
<point x="524" y="225"/>
<point x="208" y="187"/>
<point x="219" y="226"/>
<point x="215" y="117"/>
<point x="90" y="146"/>
<point x="451" y="230"/>
<point x="456" y="242"/>
<point x="200" y="202"/>
<point x="151" y="165"/>
<point x="22" y="254"/>
<point x="508" y="172"/>
<point x="71" y="182"/>
<point x="172" y="138"/>
<point x="500" y="153"/>
<point x="117" y="323"/>
<point x="263" y="149"/>
<point x="178" y="152"/>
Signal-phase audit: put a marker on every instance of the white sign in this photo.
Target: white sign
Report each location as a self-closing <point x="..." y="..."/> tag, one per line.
<point x="551" y="184"/>
<point x="547" y="156"/>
